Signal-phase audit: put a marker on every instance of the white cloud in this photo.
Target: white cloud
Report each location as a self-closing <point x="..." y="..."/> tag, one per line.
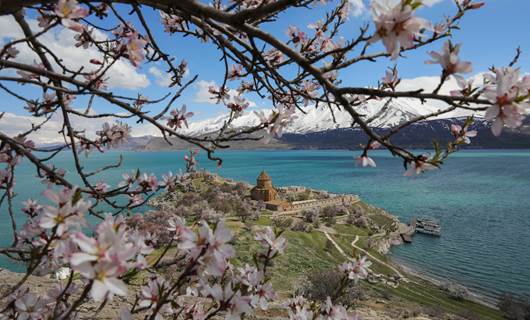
<point x="357" y="7"/>
<point x="61" y="41"/>
<point x="430" y="3"/>
<point x="13" y="124"/>
<point x="162" y="79"/>
<point x="203" y="96"/>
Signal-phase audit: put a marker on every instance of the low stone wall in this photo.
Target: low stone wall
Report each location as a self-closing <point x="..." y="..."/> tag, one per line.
<point x="321" y="203"/>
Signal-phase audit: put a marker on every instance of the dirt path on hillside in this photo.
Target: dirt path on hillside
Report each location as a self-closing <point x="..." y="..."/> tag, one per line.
<point x="353" y="244"/>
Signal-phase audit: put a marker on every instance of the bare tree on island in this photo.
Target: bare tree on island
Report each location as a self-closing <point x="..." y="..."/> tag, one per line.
<point x="296" y="69"/>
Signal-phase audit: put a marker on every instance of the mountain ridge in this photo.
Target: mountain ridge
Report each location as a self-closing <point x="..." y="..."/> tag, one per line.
<point x="312" y="119"/>
<point x="418" y="135"/>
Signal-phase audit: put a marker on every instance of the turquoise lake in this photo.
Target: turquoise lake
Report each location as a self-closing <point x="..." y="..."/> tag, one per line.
<point x="482" y="199"/>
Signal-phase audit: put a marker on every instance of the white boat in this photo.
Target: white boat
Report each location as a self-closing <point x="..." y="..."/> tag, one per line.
<point x="428" y="226"/>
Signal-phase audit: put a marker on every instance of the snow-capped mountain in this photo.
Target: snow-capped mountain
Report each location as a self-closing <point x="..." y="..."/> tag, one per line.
<point x="321" y="119"/>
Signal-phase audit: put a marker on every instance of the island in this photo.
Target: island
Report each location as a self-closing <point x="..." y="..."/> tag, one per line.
<point x="323" y="229"/>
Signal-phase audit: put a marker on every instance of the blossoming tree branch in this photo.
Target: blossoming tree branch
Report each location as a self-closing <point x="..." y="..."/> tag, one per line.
<point x="299" y="67"/>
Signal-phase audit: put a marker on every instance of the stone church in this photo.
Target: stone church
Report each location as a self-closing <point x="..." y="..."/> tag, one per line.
<point x="264" y="190"/>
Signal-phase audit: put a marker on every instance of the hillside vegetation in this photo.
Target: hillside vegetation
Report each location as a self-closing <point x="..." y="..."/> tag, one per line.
<point x="309" y="251"/>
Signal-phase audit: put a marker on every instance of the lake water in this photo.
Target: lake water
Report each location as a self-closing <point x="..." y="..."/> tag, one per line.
<point x="482" y="199"/>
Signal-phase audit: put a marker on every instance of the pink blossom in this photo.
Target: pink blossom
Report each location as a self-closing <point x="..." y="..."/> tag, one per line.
<point x="11" y="52"/>
<point x="101" y="187"/>
<point x="467" y="4"/>
<point x="249" y="276"/>
<point x="182" y="233"/>
<point x="238" y="105"/>
<point x="172" y="23"/>
<point x="44" y="20"/>
<point x="277" y="120"/>
<point x="129" y="179"/>
<point x="462" y="134"/>
<point x="105" y="258"/>
<point x="273" y="57"/>
<point x="235" y="303"/>
<point x="63" y="251"/>
<point x="106" y="282"/>
<point x="440" y="28"/>
<point x="391" y="77"/>
<point x="449" y="59"/>
<point x="69" y="11"/>
<point x="365" y="161"/>
<point x="31" y="207"/>
<point x="396" y="26"/>
<point x="135" y="200"/>
<point x="178" y="118"/>
<point x="298" y="309"/>
<point x="263" y="294"/>
<point x="297" y="37"/>
<point x="147" y="182"/>
<point x="465" y="87"/>
<point x="335" y="312"/>
<point x="309" y="89"/>
<point x="32" y="233"/>
<point x="507" y="94"/>
<point x="191" y="161"/>
<point x="195" y="312"/>
<point x="5" y="176"/>
<point x="150" y="294"/>
<point x="114" y="135"/>
<point x="235" y="72"/>
<point x="30" y="306"/>
<point x="219" y="251"/>
<point x="136" y="48"/>
<point x="219" y="94"/>
<point x="245" y="87"/>
<point x="238" y="306"/>
<point x="66" y="213"/>
<point x="212" y="245"/>
<point x="374" y="145"/>
<point x="140" y="101"/>
<point x="356" y="269"/>
<point x="169" y="181"/>
<point x="418" y="166"/>
<point x="95" y="81"/>
<point x="269" y="240"/>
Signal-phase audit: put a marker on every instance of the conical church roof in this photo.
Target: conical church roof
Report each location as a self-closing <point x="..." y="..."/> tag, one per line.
<point x="264" y="176"/>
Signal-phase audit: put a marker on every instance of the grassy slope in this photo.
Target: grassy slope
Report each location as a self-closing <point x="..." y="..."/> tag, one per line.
<point x="418" y="290"/>
<point x="307" y="251"/>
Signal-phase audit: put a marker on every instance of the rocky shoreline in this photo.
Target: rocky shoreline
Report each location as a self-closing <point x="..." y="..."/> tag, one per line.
<point x="384" y="246"/>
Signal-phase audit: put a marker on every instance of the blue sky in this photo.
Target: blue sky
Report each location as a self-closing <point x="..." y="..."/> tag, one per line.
<point x="489" y="36"/>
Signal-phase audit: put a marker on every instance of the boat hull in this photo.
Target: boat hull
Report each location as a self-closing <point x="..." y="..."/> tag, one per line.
<point x="430" y="232"/>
